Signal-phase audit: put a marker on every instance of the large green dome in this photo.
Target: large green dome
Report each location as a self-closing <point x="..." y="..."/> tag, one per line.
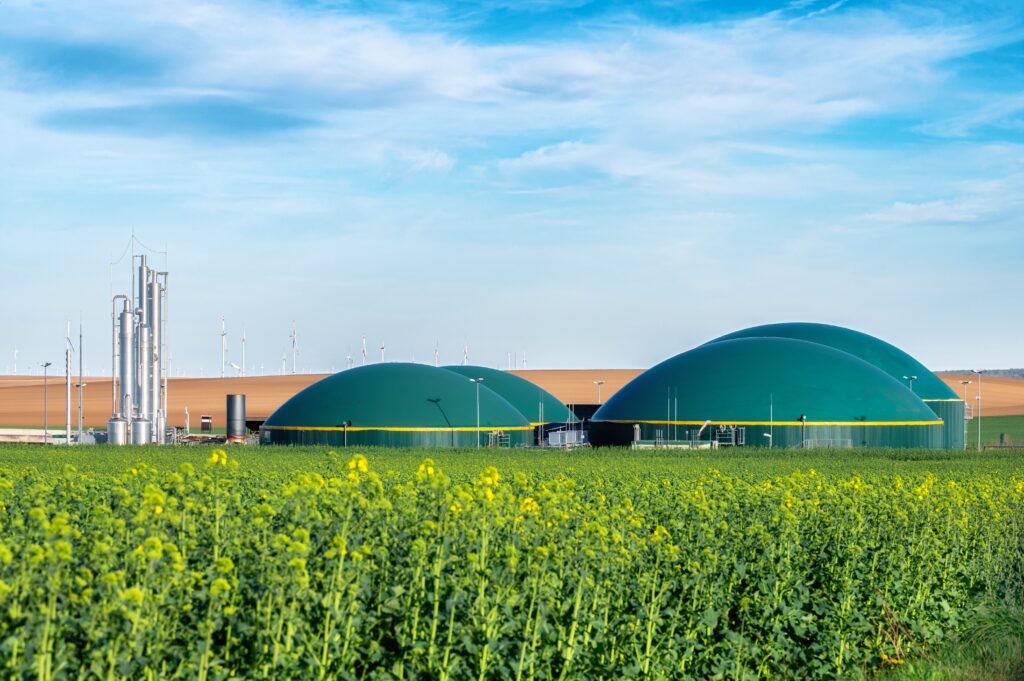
<point x="532" y="401"/>
<point x="396" y="404"/>
<point x="775" y="382"/>
<point x="885" y="356"/>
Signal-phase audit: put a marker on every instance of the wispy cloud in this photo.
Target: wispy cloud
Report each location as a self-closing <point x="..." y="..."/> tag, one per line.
<point x="695" y="150"/>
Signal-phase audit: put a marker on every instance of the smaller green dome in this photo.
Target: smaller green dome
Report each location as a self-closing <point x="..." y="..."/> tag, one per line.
<point x="525" y="396"/>
<point x="396" y="396"/>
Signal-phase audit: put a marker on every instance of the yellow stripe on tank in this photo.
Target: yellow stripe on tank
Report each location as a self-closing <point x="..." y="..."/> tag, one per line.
<point x="779" y="423"/>
<point x="352" y="429"/>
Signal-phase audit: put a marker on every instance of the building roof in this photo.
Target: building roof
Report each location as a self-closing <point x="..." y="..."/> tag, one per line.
<point x="397" y="396"/>
<point x="525" y="396"/>
<point x="885" y="356"/>
<point x="762" y="380"/>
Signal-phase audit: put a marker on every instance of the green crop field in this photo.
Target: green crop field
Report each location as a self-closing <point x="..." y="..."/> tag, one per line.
<point x="498" y="564"/>
<point x="994" y="426"/>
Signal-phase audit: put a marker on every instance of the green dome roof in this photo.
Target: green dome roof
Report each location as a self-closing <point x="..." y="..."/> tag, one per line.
<point x="520" y="393"/>
<point x="886" y="357"/>
<point x="735" y="381"/>
<point x="396" y="396"/>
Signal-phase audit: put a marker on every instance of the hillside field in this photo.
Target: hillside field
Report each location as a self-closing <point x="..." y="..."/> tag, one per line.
<point x="496" y="564"/>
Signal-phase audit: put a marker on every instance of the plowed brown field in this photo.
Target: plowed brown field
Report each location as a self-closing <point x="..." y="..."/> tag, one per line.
<point x="999" y="396"/>
<point x="21" y="397"/>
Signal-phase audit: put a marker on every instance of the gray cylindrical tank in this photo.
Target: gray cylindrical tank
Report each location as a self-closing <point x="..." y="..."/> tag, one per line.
<point x="145" y="364"/>
<point x="126" y="339"/>
<point x="141" y="431"/>
<point x="236" y="418"/>
<point x="117" y="431"/>
<point x="155" y="316"/>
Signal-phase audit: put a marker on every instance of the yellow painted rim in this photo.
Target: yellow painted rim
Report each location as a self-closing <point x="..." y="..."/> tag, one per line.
<point x="781" y="423"/>
<point x="354" y="429"/>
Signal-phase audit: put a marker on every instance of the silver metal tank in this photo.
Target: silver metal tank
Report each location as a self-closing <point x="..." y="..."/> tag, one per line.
<point x="154" y="368"/>
<point x="117" y="431"/>
<point x="141" y="431"/>
<point x="145" y="364"/>
<point x="126" y="372"/>
<point x="236" y="418"/>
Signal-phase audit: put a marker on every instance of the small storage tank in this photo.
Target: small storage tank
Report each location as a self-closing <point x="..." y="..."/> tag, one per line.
<point x="141" y="432"/>
<point x="236" y="418"/>
<point x="117" y="431"/>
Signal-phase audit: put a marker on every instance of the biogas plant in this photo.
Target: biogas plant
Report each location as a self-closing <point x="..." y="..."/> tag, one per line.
<point x="779" y="385"/>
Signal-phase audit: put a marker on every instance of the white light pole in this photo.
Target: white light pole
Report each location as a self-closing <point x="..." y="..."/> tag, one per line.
<point x="477" y="381"/>
<point x="80" y="386"/>
<point x="46" y="418"/>
<point x="979" y="372"/>
<point x="910" y="380"/>
<point x="599" y="384"/>
<point x="965" y="384"/>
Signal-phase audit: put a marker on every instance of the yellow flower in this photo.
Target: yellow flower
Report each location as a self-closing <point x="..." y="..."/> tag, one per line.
<point x="490" y="476"/>
<point x="219" y="586"/>
<point x="529" y="505"/>
<point x="455" y="508"/>
<point x="158" y="510"/>
<point x="219" y="456"/>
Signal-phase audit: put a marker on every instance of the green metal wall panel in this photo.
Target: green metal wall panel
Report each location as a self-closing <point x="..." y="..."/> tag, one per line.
<point x="952" y="414"/>
<point x="383" y="438"/>
<point x="929" y="437"/>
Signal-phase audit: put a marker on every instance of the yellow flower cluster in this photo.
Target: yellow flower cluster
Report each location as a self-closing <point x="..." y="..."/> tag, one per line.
<point x="219" y="456"/>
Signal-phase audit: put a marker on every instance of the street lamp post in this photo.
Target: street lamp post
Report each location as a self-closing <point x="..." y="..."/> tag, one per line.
<point x="80" y="387"/>
<point x="46" y="419"/>
<point x="803" y="430"/>
<point x="979" y="372"/>
<point x="910" y="380"/>
<point x="599" y="384"/>
<point x="965" y="384"/>
<point x="477" y="381"/>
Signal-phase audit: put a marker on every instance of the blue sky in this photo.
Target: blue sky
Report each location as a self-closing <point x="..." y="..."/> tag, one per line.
<point x="595" y="184"/>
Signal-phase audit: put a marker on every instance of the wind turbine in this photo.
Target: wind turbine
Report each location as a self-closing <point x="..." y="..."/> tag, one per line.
<point x="382" y="351"/>
<point x="465" y="354"/>
<point x="223" y="346"/>
<point x="243" y="352"/>
<point x="15" y="360"/>
<point x="238" y="370"/>
<point x="364" y="350"/>
<point x="437" y="362"/>
<point x="284" y="364"/>
<point x="295" y="345"/>
<point x="524" y="359"/>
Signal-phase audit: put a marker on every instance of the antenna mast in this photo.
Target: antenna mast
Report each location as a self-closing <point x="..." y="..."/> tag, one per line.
<point x="295" y="345"/>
